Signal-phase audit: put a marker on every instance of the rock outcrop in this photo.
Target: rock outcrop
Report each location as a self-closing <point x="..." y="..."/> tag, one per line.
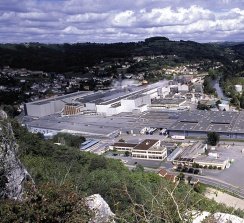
<point x="12" y="172"/>
<point x="199" y="217"/>
<point x="101" y="209"/>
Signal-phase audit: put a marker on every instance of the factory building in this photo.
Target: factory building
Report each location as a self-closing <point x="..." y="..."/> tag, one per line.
<point x="123" y="146"/>
<point x="166" y="103"/>
<point x="229" y="125"/>
<point x="108" y="103"/>
<point x="190" y="154"/>
<point x="149" y="149"/>
<point x="51" y="105"/>
<point x="72" y="109"/>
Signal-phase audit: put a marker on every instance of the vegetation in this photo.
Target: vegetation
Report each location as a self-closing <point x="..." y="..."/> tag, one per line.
<point x="64" y="176"/>
<point x="208" y="86"/>
<point x="68" y="140"/>
<point x="213" y="138"/>
<point x="74" y="57"/>
<point x="202" y="106"/>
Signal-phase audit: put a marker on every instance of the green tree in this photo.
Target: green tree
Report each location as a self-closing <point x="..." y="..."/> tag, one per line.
<point x="181" y="176"/>
<point x="218" y="102"/>
<point x="98" y="163"/>
<point x="213" y="138"/>
<point x="127" y="153"/>
<point x="242" y="101"/>
<point x="235" y="101"/>
<point x="68" y="139"/>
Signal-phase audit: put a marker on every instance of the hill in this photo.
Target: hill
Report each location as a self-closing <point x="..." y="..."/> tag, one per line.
<point x="73" y="57"/>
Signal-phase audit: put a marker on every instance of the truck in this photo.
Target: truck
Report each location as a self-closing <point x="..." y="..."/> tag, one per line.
<point x="152" y="130"/>
<point x="180" y="137"/>
<point x="162" y="132"/>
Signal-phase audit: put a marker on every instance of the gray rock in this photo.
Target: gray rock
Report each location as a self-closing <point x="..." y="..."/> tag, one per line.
<point x="99" y="206"/>
<point x="12" y="172"/>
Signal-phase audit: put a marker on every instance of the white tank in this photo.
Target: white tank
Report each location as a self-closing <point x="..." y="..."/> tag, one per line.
<point x="223" y="107"/>
<point x="238" y="88"/>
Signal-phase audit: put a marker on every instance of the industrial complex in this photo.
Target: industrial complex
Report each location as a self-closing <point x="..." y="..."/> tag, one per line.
<point x="229" y="125"/>
<point x="153" y="125"/>
<point x="111" y="102"/>
<point x="131" y="110"/>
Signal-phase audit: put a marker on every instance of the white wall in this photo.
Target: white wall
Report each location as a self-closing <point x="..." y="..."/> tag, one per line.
<point x="91" y="106"/>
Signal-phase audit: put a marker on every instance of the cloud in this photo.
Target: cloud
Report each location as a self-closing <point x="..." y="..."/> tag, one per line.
<point x="116" y="20"/>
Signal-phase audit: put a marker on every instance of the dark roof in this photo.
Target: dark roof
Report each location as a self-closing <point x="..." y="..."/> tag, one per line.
<point x="146" y="144"/>
<point x="162" y="172"/>
<point x="123" y="144"/>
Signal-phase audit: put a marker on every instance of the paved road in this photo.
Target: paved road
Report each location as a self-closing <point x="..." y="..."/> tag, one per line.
<point x="205" y="180"/>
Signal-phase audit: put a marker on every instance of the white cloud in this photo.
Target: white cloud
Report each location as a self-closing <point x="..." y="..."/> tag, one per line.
<point x="116" y="20"/>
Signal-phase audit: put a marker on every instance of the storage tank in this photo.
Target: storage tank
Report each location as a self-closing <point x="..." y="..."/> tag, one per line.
<point x="223" y="107"/>
<point x="238" y="88"/>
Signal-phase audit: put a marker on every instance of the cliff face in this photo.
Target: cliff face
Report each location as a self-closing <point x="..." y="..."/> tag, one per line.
<point x="12" y="172"/>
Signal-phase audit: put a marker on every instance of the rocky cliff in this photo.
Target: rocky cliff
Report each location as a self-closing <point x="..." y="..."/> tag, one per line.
<point x="100" y="208"/>
<point x="12" y="172"/>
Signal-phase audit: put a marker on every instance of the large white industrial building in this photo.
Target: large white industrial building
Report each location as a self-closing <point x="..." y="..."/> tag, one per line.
<point x="112" y="102"/>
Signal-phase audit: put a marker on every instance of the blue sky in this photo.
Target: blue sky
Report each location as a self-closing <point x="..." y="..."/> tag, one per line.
<point x="58" y="21"/>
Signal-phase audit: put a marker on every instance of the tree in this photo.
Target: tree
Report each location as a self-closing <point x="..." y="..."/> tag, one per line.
<point x="202" y="106"/>
<point x="98" y="163"/>
<point x="181" y="177"/>
<point x="189" y="179"/>
<point x="235" y="101"/>
<point x="242" y="101"/>
<point x="127" y="153"/>
<point x="218" y="102"/>
<point x="213" y="138"/>
<point x="199" y="188"/>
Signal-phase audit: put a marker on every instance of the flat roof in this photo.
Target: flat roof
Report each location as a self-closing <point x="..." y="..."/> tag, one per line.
<point x="95" y="124"/>
<point x="208" y="159"/>
<point x="62" y="97"/>
<point x="168" y="101"/>
<point x="210" y="121"/>
<point x="124" y="144"/>
<point x="146" y="144"/>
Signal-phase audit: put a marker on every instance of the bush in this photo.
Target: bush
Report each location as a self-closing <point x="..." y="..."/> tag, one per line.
<point x="199" y="188"/>
<point x="213" y="138"/>
<point x="210" y="167"/>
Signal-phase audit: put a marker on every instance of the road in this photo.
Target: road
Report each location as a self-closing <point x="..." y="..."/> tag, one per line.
<point x="205" y="180"/>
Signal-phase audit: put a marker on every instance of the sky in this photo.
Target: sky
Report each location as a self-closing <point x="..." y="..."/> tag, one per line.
<point x="106" y="21"/>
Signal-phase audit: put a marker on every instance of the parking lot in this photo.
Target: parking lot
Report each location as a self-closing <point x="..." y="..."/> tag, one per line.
<point x="235" y="174"/>
<point x="229" y="150"/>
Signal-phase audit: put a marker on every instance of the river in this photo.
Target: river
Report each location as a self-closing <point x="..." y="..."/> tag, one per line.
<point x="219" y="90"/>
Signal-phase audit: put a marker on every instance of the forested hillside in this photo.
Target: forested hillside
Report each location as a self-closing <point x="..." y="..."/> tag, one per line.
<point x="73" y="57"/>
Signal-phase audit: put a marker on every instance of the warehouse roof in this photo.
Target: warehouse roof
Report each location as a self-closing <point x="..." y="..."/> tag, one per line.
<point x="210" y="121"/>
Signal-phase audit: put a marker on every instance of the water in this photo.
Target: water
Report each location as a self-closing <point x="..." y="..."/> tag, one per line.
<point x="219" y="91"/>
